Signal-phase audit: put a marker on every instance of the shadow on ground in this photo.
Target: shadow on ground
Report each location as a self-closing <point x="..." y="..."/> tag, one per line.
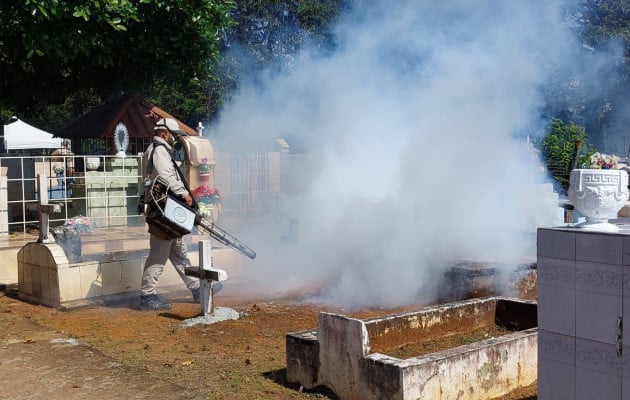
<point x="279" y="376"/>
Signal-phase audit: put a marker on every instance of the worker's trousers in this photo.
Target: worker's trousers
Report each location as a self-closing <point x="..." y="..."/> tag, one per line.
<point x="160" y="252"/>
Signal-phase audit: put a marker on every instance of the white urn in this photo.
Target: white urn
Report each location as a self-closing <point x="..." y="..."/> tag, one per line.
<point x="598" y="194"/>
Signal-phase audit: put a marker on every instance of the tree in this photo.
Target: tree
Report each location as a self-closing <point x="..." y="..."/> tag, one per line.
<point x="270" y="33"/>
<point x="597" y="98"/>
<point x="559" y="149"/>
<point x="60" y="57"/>
<point x="51" y="49"/>
<point x="319" y="16"/>
<point x="602" y="20"/>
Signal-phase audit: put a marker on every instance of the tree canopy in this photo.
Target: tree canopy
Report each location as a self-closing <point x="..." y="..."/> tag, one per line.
<point x="597" y="98"/>
<point x="59" y="57"/>
<point x="53" y="49"/>
<point x="602" y="20"/>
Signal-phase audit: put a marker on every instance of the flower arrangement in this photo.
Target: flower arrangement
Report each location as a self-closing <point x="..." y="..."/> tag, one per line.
<point x="207" y="194"/>
<point x="603" y="161"/>
<point x="82" y="224"/>
<point x="58" y="170"/>
<point x="206" y="197"/>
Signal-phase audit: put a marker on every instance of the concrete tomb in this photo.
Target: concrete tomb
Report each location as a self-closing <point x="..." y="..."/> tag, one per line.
<point x="343" y="353"/>
<point x="583" y="297"/>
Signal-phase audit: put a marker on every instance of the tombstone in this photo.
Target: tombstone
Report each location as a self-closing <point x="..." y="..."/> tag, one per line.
<point x="208" y="277"/>
<point x="43" y="208"/>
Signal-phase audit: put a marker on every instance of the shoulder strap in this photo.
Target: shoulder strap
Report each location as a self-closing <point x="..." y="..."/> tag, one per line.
<point x="150" y="160"/>
<point x="179" y="172"/>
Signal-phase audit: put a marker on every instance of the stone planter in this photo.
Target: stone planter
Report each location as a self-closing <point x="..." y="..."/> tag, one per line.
<point x="204" y="173"/>
<point x="204" y="177"/>
<point x="598" y="194"/>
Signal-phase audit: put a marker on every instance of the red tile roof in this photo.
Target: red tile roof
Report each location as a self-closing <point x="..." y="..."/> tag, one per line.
<point x="138" y="115"/>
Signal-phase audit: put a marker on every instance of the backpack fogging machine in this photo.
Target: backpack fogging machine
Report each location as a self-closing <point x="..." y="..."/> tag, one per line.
<point x="166" y="210"/>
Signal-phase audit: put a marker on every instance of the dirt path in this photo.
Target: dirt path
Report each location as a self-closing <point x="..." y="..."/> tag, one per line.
<point x="38" y="363"/>
<point x="118" y="352"/>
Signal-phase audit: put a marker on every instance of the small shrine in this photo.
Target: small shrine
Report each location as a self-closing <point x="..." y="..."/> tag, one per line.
<point x="201" y="162"/>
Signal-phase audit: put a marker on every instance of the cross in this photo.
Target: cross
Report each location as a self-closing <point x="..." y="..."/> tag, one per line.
<point x="43" y="209"/>
<point x="207" y="275"/>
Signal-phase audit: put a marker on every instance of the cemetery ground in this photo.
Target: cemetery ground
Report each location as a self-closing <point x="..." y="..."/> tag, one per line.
<point x="116" y="351"/>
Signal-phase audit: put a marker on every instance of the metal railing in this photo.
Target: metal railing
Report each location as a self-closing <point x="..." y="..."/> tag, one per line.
<point x="105" y="194"/>
<point x="252" y="183"/>
<point x="108" y="195"/>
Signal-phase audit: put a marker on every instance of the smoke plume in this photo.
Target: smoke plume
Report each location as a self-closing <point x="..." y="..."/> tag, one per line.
<point x="417" y="156"/>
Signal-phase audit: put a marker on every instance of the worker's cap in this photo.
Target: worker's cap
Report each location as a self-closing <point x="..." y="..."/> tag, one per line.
<point x="170" y="125"/>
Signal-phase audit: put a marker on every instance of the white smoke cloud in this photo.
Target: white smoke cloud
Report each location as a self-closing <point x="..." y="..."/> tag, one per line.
<point x="416" y="152"/>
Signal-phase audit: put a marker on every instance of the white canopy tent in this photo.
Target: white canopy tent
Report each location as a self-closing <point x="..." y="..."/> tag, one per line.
<point x="19" y="135"/>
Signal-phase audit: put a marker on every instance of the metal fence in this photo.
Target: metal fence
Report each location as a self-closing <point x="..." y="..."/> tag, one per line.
<point x="101" y="190"/>
<point x="106" y="195"/>
<point x="253" y="183"/>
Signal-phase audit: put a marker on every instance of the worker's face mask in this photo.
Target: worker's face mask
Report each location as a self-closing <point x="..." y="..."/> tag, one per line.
<point x="177" y="144"/>
<point x="172" y="140"/>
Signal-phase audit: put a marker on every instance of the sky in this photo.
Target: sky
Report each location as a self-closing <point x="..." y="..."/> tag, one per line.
<point x="416" y="129"/>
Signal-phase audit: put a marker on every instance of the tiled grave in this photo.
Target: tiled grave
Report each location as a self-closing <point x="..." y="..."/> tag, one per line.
<point x="583" y="287"/>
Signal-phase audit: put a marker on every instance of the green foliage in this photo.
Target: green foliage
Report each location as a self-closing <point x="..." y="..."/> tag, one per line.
<point x="605" y="19"/>
<point x="196" y="100"/>
<point x="271" y="32"/>
<point x="558" y="149"/>
<point x="318" y="16"/>
<point x="266" y="33"/>
<point x="59" y="57"/>
<point x="50" y="49"/>
<point x="596" y="96"/>
<point x="54" y="117"/>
